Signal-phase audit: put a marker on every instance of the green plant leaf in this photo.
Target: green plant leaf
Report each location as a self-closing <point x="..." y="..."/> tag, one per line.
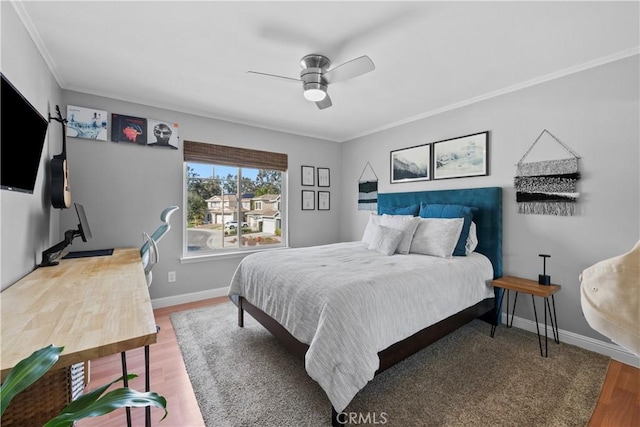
<point x="91" y="404"/>
<point x="118" y="398"/>
<point x="87" y="399"/>
<point x="26" y="372"/>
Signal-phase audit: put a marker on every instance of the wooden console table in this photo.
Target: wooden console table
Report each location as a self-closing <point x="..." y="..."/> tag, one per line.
<point x="534" y="289"/>
<point x="93" y="306"/>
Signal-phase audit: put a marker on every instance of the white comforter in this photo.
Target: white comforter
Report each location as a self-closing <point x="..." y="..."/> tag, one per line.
<point x="348" y="303"/>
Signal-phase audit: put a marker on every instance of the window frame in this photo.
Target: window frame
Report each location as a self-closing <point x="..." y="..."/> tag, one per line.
<point x="239" y="250"/>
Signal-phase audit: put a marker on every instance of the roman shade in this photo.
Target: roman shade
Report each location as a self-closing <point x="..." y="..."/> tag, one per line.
<point x="234" y="156"/>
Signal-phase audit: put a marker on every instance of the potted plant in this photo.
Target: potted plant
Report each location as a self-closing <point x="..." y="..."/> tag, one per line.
<point x="92" y="404"/>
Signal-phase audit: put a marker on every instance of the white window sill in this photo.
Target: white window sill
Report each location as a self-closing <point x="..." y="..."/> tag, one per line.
<point x="188" y="259"/>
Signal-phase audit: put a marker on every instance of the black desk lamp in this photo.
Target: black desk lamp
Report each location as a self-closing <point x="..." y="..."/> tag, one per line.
<point x="543" y="278"/>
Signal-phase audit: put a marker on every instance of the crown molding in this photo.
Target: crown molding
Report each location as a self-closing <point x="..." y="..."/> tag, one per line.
<point x="509" y="89"/>
<point x="37" y="40"/>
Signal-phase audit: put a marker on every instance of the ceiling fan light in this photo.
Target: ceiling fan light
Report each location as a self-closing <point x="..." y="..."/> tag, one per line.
<point x="315" y="95"/>
<point x="315" y="92"/>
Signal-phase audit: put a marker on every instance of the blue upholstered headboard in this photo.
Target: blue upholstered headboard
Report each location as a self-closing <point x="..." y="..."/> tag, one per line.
<point x="488" y="219"/>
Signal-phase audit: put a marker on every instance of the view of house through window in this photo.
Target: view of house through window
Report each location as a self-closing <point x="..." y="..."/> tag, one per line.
<point x="232" y="208"/>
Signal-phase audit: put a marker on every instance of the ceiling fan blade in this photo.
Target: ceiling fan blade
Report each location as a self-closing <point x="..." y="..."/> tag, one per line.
<point x="274" y="75"/>
<point x="325" y="103"/>
<point x="349" y="70"/>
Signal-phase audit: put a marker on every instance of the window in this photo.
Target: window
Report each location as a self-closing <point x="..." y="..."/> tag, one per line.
<point x="234" y="199"/>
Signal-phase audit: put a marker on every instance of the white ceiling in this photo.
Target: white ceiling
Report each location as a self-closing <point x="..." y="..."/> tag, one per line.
<point x="430" y="56"/>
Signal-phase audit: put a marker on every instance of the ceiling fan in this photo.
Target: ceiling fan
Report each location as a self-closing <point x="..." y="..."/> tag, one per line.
<point x="316" y="75"/>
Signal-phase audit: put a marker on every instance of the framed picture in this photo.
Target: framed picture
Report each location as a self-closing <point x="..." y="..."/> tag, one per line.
<point x="128" y="129"/>
<point x="308" y="176"/>
<point x="323" y="200"/>
<point x="411" y="164"/>
<point x="461" y="157"/>
<point x="323" y="177"/>
<point x="86" y="123"/>
<point x="308" y="200"/>
<point x="162" y="133"/>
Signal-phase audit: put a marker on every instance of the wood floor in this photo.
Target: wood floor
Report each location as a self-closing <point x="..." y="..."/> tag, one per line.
<point x="618" y="406"/>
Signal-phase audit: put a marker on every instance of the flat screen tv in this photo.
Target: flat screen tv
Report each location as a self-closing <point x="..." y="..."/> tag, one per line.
<point x="22" y="137"/>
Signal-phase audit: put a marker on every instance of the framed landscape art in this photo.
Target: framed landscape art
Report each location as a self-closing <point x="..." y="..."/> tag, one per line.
<point x="461" y="157"/>
<point x="411" y="164"/>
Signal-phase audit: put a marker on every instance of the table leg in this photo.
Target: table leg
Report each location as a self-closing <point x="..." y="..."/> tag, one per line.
<point x="147" y="413"/>
<point x="556" y="332"/>
<point x="123" y="357"/>
<point x="546" y="340"/>
<point x="553" y="327"/>
<point x="535" y="313"/>
<point x="498" y="313"/>
<point x="513" y="313"/>
<point x="508" y="298"/>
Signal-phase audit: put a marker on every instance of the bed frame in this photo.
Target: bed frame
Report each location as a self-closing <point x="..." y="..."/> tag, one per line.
<point x="488" y="221"/>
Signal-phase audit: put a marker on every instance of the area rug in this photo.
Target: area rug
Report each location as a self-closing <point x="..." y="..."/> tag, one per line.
<point x="244" y="377"/>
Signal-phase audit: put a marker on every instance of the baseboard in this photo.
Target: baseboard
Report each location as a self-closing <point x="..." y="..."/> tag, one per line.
<point x="191" y="297"/>
<point x="608" y="349"/>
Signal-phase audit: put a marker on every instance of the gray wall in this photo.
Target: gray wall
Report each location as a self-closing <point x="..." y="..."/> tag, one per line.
<point x="27" y="224"/>
<point x="596" y="113"/>
<point x="124" y="187"/>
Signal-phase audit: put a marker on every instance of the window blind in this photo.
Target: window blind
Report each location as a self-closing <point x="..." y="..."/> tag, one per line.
<point x="234" y="156"/>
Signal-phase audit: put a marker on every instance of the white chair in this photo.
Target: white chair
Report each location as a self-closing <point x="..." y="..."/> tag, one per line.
<point x="149" y="250"/>
<point x="150" y="256"/>
<point x="610" y="297"/>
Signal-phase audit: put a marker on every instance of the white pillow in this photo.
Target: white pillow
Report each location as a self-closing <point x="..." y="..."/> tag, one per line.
<point x="374" y="220"/>
<point x="436" y="236"/>
<point x="472" y="239"/>
<point x="385" y="240"/>
<point x="405" y="223"/>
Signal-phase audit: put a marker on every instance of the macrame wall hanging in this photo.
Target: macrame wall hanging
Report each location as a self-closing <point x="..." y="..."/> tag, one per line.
<point x="547" y="187"/>
<point x="368" y="191"/>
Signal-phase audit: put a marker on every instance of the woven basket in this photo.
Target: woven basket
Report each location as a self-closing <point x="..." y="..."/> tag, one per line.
<point x="44" y="399"/>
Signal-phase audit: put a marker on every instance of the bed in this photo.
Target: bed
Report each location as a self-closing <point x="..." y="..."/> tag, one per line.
<point x="351" y="312"/>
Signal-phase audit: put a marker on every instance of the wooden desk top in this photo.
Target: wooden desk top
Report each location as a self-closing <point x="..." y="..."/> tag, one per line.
<point x="527" y="286"/>
<point x="92" y="306"/>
